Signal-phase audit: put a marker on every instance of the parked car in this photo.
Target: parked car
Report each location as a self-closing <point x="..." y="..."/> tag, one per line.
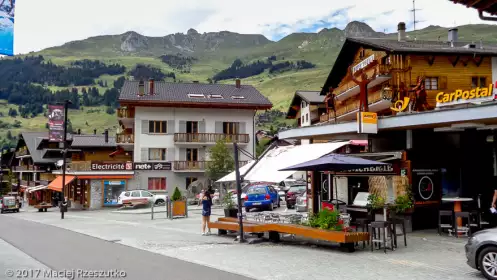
<point x="261" y="197"/>
<point x="9" y="204"/>
<point x="287" y="183"/>
<point x="481" y="252"/>
<point x="292" y="193"/>
<point x="136" y="197"/>
<point x="244" y="191"/>
<point x="301" y="203"/>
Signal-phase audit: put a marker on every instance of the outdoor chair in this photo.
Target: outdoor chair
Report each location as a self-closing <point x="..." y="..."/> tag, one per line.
<point x="402" y="223"/>
<point x="445" y="214"/>
<point x="363" y="224"/>
<point x="466" y="230"/>
<point x="381" y="233"/>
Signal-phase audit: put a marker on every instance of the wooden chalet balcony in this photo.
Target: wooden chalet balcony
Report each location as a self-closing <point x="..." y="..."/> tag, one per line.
<point x="79" y="166"/>
<point x="26" y="168"/>
<point x="125" y="113"/>
<point x="28" y="183"/>
<point x="22" y="152"/>
<point x="324" y="118"/>
<point x="125" y="139"/>
<point x="195" y="165"/>
<point x="210" y="138"/>
<point x="44" y="182"/>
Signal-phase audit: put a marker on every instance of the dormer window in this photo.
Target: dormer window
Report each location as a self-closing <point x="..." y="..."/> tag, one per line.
<point x="215" y="96"/>
<point x="196" y="95"/>
<point x="237" y="97"/>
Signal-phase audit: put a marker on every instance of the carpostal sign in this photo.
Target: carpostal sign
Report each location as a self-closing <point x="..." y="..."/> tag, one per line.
<point x="476" y="95"/>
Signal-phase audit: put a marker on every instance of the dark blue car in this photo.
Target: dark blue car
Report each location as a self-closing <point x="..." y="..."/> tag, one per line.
<point x="262" y="197"/>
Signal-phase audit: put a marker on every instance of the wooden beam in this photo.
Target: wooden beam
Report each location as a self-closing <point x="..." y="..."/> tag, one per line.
<point x="472" y="3"/>
<point x="455" y="61"/>
<point x="465" y="62"/>
<point x="486" y="5"/>
<point x="478" y="62"/>
<point x="430" y="59"/>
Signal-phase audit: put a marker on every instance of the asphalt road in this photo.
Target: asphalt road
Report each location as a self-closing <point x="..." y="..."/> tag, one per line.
<point x="60" y="250"/>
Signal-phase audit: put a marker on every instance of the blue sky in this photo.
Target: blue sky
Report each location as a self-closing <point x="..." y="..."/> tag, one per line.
<point x="47" y="23"/>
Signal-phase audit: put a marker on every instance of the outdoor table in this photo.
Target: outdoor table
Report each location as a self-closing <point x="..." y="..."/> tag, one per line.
<point x="457" y="205"/>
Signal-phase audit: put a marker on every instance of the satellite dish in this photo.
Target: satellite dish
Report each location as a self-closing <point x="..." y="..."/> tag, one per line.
<point x="59" y="163"/>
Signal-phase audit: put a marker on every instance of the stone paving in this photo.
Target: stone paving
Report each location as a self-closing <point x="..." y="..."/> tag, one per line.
<point x="428" y="256"/>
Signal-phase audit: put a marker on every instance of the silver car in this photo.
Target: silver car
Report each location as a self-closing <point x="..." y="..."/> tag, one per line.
<point x="301" y="203"/>
<point x="481" y="252"/>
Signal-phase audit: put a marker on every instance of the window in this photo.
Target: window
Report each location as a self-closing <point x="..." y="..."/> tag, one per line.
<point x="306" y="117"/>
<point x="156" y="184"/>
<point x="302" y="119"/>
<point x="146" y="194"/>
<point x="431" y="83"/>
<point x="157" y="154"/>
<point x="191" y="127"/>
<point x="230" y="127"/>
<point x="126" y="194"/>
<point x="478" y="82"/>
<point x="215" y="96"/>
<point x="196" y="95"/>
<point x="257" y="190"/>
<point x="237" y="97"/>
<point x="157" y="126"/>
<point x="135" y="194"/>
<point x="191" y="154"/>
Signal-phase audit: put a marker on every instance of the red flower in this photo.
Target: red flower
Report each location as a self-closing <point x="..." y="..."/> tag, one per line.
<point x="340" y="222"/>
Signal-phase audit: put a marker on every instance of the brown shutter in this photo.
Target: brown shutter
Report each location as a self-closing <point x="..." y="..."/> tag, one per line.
<point x="442" y="82"/>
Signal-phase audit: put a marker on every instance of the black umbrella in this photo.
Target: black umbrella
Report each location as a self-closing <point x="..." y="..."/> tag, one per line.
<point x="334" y="163"/>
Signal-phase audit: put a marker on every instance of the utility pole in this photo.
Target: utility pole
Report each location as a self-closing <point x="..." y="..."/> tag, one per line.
<point x="414" y="14"/>
<point x="238" y="192"/>
<point x="64" y="159"/>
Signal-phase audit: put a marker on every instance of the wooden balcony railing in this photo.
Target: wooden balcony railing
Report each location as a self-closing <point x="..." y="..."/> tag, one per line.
<point x="125" y="113"/>
<point x="125" y="139"/>
<point x="210" y="138"/>
<point x="27" y="168"/>
<point x="196" y="165"/>
<point x="24" y="182"/>
<point x="324" y="118"/>
<point x="22" y="152"/>
<point x="44" y="182"/>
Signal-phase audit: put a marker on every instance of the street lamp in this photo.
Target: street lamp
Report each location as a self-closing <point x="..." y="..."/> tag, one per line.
<point x="238" y="192"/>
<point x="64" y="158"/>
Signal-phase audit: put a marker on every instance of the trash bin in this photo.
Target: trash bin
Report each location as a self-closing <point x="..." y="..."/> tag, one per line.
<point x="63" y="206"/>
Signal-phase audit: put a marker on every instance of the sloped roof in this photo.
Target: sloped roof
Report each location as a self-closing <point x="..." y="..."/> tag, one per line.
<point x="489" y="6"/>
<point x="81" y="141"/>
<point x="178" y="93"/>
<point x="32" y="139"/>
<point x="311" y="97"/>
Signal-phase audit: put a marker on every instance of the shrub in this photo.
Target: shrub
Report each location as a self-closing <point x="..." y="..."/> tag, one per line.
<point x="176" y="195"/>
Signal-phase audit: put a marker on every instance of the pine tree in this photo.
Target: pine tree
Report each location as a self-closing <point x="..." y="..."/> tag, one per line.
<point x="221" y="161"/>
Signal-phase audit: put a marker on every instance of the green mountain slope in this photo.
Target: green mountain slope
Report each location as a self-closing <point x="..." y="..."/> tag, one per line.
<point x="215" y="51"/>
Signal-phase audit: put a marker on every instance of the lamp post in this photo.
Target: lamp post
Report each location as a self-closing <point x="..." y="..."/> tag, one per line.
<point x="64" y="159"/>
<point x="238" y="192"/>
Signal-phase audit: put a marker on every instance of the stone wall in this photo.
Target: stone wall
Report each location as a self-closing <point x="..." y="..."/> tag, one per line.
<point x="96" y="194"/>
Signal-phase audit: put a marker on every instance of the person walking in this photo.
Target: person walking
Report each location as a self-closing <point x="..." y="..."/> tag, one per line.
<point x="206" y="212"/>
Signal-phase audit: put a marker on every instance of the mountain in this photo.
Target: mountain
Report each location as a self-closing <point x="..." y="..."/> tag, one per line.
<point x="277" y="69"/>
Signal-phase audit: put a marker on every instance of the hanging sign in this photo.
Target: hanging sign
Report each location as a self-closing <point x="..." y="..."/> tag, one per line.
<point x="111" y="166"/>
<point x="152" y="166"/>
<point x="56" y="123"/>
<point x="363" y="64"/>
<point x="367" y="122"/>
<point x="7" y="8"/>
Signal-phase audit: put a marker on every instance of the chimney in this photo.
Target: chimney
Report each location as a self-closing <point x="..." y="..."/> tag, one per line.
<point x="141" y="88"/>
<point x="452" y="35"/>
<point x="94" y="132"/>
<point x="151" y="86"/>
<point x="401" y="28"/>
<point x="79" y="130"/>
<point x="238" y="83"/>
<point x="106" y="135"/>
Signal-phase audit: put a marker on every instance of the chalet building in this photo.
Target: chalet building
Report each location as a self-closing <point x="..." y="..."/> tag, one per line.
<point x="169" y="128"/>
<point x="5" y="162"/>
<point x="29" y="166"/>
<point x="429" y="108"/>
<point x="97" y="172"/>
<point x="306" y="107"/>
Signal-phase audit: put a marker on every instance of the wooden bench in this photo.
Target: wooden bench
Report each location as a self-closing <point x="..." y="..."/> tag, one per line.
<point x="42" y="207"/>
<point x="346" y="239"/>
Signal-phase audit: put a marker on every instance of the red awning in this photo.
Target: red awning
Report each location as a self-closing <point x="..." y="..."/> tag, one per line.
<point x="56" y="185"/>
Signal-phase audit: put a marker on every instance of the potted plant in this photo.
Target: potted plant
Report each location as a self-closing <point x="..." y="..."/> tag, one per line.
<point x="403" y="209"/>
<point x="178" y="203"/>
<point x="230" y="209"/>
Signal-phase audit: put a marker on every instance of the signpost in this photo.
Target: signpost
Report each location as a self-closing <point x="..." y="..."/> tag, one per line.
<point x="367" y="122"/>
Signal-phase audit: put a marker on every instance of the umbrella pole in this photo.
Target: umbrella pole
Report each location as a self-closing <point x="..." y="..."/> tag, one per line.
<point x="336" y="191"/>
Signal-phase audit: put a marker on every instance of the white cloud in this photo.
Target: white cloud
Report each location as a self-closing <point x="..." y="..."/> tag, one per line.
<point x="41" y="24"/>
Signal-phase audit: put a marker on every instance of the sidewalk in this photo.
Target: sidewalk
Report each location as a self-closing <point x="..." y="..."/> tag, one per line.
<point x="428" y="256"/>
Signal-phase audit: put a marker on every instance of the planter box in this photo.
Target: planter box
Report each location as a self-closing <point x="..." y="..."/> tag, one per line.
<point x="178" y="208"/>
<point x="231" y="213"/>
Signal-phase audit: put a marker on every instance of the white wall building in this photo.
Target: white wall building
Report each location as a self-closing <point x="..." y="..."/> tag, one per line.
<point x="170" y="128"/>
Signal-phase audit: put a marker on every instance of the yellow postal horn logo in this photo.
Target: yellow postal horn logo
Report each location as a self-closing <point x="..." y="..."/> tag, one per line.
<point x="400" y="105"/>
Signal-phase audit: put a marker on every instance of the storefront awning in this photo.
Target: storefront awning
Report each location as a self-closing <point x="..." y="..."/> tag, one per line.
<point x="56" y="185"/>
<point x="87" y="177"/>
<point x="267" y="169"/>
<point x="37" y="188"/>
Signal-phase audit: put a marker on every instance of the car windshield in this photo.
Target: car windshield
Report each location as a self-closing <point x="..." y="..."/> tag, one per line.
<point x="256" y="190"/>
<point x="299" y="188"/>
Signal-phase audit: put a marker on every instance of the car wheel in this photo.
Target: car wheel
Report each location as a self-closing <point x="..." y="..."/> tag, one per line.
<point x="279" y="204"/>
<point x="247" y="209"/>
<point x="271" y="206"/>
<point x="487" y="261"/>
<point x="159" y="201"/>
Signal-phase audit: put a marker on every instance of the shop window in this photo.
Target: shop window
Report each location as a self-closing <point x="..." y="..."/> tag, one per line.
<point x="189" y="181"/>
<point x="431" y="83"/>
<point x="157" y="154"/>
<point x="478" y="82"/>
<point x="156" y="184"/>
<point x="306" y="117"/>
<point x="112" y="191"/>
<point x="157" y="126"/>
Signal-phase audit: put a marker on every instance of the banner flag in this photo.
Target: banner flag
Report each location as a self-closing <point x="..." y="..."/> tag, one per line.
<point x="7" y="8"/>
<point x="56" y="123"/>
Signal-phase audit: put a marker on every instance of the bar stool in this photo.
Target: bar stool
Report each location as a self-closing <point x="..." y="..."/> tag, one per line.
<point x="445" y="213"/>
<point x="402" y="222"/>
<point x="363" y="224"/>
<point x="384" y="227"/>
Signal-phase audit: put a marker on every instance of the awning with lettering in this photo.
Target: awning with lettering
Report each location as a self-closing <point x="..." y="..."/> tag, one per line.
<point x="56" y="185"/>
<point x="105" y="177"/>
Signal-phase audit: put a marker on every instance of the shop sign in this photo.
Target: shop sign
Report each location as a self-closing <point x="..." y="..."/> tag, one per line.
<point x="152" y="166"/>
<point x="401" y="105"/>
<point x="363" y="64"/>
<point x="367" y="122"/>
<point x="56" y="123"/>
<point x="388" y="169"/>
<point x="111" y="166"/>
<point x="480" y="94"/>
<point x="425" y="187"/>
